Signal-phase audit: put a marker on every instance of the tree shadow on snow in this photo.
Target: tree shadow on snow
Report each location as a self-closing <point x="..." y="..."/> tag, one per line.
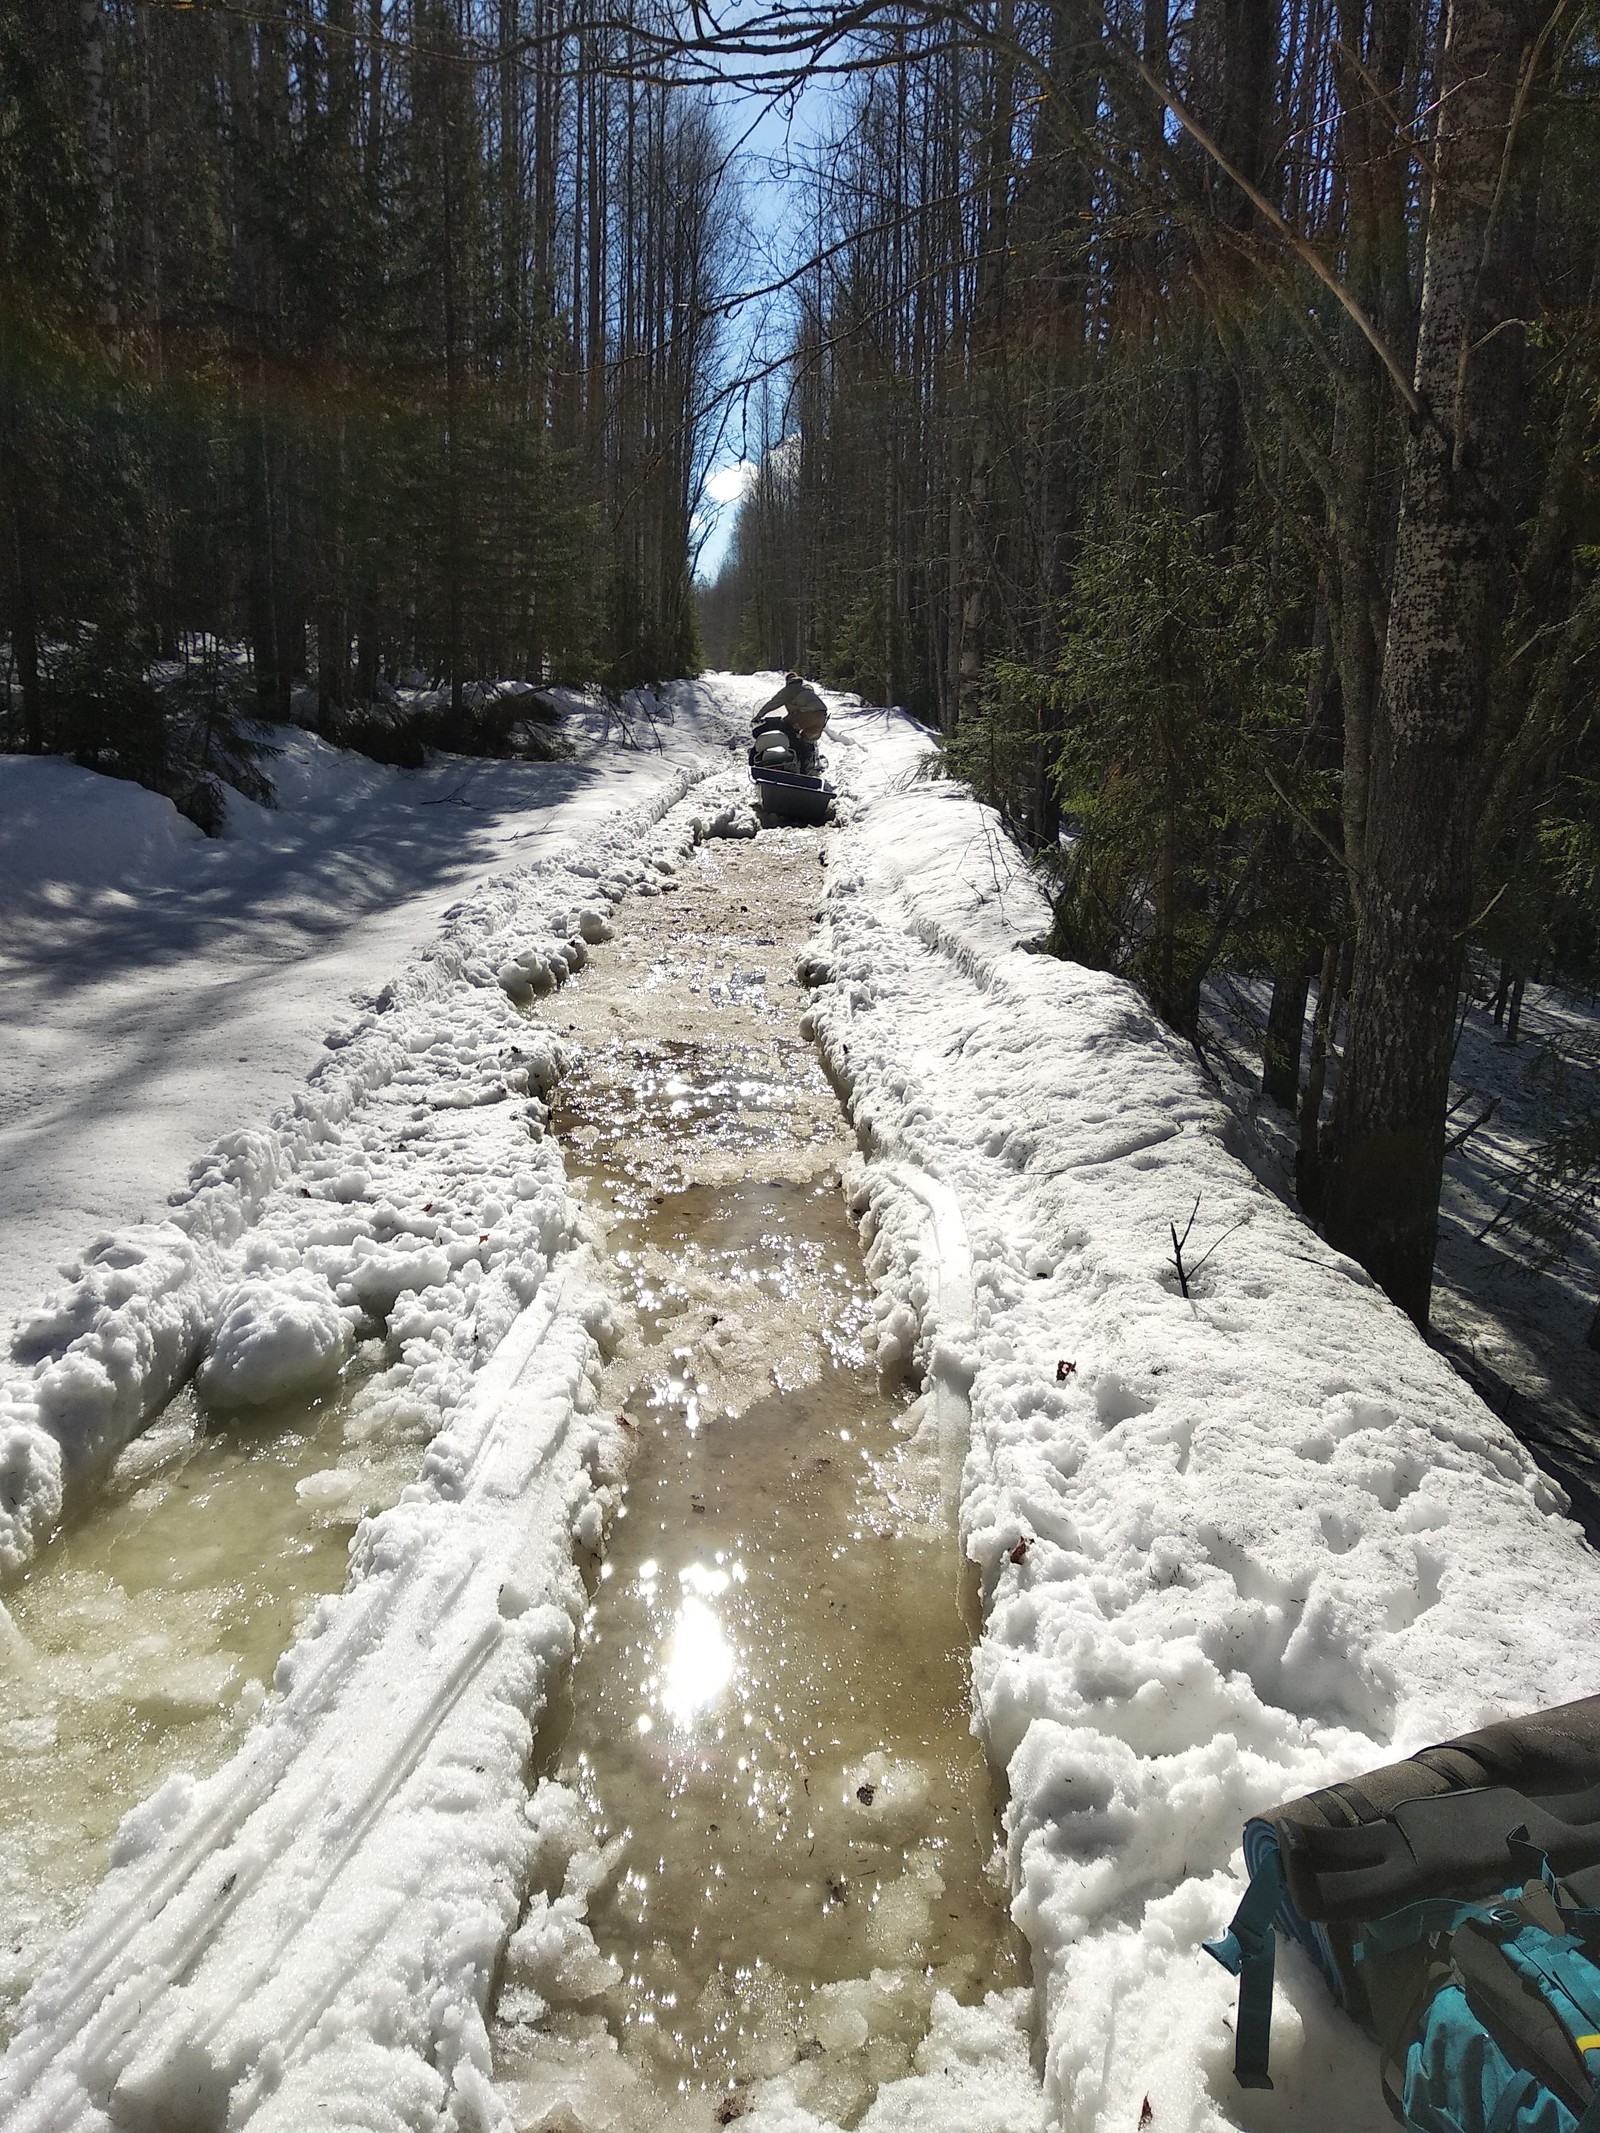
<point x="299" y="880"/>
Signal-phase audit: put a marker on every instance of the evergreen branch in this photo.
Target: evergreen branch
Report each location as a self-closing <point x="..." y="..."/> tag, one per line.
<point x="1306" y="822"/>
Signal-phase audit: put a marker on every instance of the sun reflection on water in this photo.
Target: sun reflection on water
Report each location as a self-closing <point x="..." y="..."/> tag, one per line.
<point x="698" y="1657"/>
<point x="700" y="1663"/>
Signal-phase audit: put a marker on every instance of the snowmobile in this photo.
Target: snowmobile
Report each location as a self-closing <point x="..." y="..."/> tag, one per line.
<point x="790" y="776"/>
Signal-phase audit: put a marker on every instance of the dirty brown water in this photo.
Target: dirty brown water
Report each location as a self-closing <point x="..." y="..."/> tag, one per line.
<point x="143" y="1640"/>
<point x="768" y="1722"/>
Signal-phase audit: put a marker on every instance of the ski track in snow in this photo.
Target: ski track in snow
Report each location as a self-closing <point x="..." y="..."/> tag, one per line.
<point x="1245" y="1544"/>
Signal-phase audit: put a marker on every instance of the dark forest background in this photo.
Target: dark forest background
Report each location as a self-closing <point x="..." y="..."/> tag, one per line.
<point x="1192" y="410"/>
<point x="365" y="338"/>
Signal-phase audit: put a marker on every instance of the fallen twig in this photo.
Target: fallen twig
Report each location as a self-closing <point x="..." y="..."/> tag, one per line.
<point x="1459" y="1140"/>
<point x="1178" y="1244"/>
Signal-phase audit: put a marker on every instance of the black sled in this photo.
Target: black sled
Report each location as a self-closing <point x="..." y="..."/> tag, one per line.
<point x="791" y="784"/>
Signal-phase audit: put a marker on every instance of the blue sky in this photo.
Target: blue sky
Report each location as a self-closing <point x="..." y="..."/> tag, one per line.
<point x="769" y="168"/>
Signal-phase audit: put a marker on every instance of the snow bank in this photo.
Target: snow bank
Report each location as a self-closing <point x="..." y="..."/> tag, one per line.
<point x="1230" y="1547"/>
<point x="73" y="829"/>
<point x="361" y="1170"/>
<point x="104" y="1353"/>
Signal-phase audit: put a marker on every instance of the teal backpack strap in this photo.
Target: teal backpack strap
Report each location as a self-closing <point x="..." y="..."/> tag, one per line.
<point x="1247" y="1951"/>
<point x="1512" y="2098"/>
<point x="1403" y="1929"/>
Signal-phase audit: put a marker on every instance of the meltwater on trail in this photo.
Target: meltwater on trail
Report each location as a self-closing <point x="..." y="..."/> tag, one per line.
<point x="767" y="1881"/>
<point x="144" y="1641"/>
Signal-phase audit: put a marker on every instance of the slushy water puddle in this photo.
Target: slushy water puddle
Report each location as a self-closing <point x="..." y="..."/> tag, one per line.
<point x="145" y="1637"/>
<point x="790" y="1829"/>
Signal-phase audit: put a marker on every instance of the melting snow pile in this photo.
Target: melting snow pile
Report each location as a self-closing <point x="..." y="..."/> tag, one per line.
<point x="279" y="1335"/>
<point x="1231" y="1547"/>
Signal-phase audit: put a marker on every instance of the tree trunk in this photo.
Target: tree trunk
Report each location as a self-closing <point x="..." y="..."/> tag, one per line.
<point x="1285" y="1039"/>
<point x="1377" y="92"/>
<point x="1308" y="1162"/>
<point x="1451" y="568"/>
<point x="101" y="160"/>
<point x="25" y="646"/>
<point x="454" y="601"/>
<point x="1514" y="1009"/>
<point x="367" y="660"/>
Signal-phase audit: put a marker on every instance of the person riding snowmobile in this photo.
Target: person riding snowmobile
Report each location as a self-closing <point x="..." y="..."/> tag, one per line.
<point x="801" y="712"/>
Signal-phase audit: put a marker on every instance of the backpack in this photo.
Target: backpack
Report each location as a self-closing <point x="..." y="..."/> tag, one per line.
<point x="1452" y="1905"/>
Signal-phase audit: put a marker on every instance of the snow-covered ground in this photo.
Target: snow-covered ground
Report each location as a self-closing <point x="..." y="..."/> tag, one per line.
<point x="1230" y="1546"/>
<point x="158" y="988"/>
<point x="1514" y="1324"/>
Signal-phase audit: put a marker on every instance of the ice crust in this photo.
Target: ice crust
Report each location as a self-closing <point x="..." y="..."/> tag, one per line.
<point x="1231" y="1547"/>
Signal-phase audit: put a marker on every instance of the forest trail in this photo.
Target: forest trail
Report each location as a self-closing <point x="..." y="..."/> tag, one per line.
<point x="768" y="1728"/>
<point x="540" y="1226"/>
<point x="764" y="1838"/>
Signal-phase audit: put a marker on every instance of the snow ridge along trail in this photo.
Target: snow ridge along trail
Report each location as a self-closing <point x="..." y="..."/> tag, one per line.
<point x="309" y="1936"/>
<point x="1231" y="1547"/>
<point x="250" y="1274"/>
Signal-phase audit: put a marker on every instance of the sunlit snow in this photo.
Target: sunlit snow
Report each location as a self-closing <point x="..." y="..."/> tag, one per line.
<point x="1249" y="1541"/>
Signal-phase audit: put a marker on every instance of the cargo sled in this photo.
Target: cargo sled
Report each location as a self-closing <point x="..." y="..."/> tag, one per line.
<point x="791" y="783"/>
